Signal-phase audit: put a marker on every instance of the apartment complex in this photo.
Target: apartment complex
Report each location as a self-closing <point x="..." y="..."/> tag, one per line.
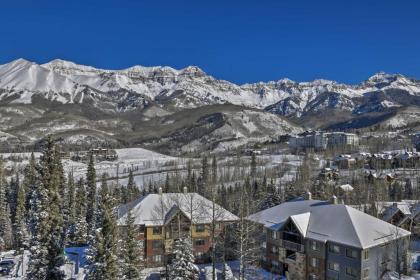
<point x="320" y="140"/>
<point x="312" y="239"/>
<point x="164" y="217"/>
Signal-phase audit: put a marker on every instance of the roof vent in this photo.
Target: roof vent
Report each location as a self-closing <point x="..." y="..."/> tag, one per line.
<point x="308" y="196"/>
<point x="185" y="190"/>
<point x="334" y="200"/>
<point x="160" y="191"/>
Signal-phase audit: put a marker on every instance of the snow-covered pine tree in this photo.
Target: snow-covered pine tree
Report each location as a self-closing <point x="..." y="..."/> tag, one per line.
<point x="132" y="190"/>
<point x="270" y="198"/>
<point x="91" y="195"/>
<point x="182" y="266"/>
<point x="132" y="251"/>
<point x="5" y="229"/>
<point x="70" y="204"/>
<point x="19" y="225"/>
<point x="78" y="231"/>
<point x="103" y="252"/>
<point x="38" y="261"/>
<point x="52" y="224"/>
<point x="30" y="181"/>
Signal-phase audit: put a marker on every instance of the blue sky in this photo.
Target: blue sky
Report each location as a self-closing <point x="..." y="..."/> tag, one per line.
<point x="240" y="41"/>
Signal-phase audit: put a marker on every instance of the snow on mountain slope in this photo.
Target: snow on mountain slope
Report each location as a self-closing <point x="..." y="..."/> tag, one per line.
<point x="127" y="89"/>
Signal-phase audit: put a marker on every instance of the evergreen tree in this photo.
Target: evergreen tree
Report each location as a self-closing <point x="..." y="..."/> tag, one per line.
<point x="214" y="170"/>
<point x="47" y="245"/>
<point x="80" y="225"/>
<point x="182" y="266"/>
<point x="103" y="255"/>
<point x="5" y="222"/>
<point x="132" y="189"/>
<point x="38" y="261"/>
<point x="91" y="195"/>
<point x="132" y="251"/>
<point x="30" y="180"/>
<point x="7" y="230"/>
<point x="253" y="166"/>
<point x="19" y="225"/>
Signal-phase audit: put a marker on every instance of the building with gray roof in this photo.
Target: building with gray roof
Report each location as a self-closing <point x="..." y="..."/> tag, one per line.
<point x="313" y="239"/>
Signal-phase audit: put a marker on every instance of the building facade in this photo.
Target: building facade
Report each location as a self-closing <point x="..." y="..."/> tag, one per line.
<point x="162" y="218"/>
<point x="320" y="141"/>
<point x="311" y="239"/>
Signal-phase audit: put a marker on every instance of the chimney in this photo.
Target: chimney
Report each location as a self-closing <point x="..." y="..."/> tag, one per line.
<point x="185" y="190"/>
<point x="308" y="196"/>
<point x="334" y="200"/>
<point x="160" y="191"/>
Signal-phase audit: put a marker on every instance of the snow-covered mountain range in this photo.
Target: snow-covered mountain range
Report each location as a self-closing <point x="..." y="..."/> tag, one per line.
<point x="128" y="89"/>
<point x="187" y="108"/>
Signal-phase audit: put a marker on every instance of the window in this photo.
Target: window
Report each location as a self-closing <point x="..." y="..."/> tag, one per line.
<point x="274" y="235"/>
<point x="274" y="263"/>
<point x="157" y="244"/>
<point x="314" y="262"/>
<point x="366" y="273"/>
<point x="351" y="253"/>
<point x="366" y="254"/>
<point x="157" y="230"/>
<point x="351" y="271"/>
<point x="199" y="228"/>
<point x="315" y="245"/>
<point x="199" y="242"/>
<point x="218" y="226"/>
<point x="333" y="266"/>
<point x="334" y="249"/>
<point x="264" y="244"/>
<point x="157" y="258"/>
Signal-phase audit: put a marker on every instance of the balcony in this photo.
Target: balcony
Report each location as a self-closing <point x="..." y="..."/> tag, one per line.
<point x="288" y="245"/>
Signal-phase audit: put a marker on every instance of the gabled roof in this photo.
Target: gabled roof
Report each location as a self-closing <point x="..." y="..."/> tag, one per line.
<point x="327" y="222"/>
<point x="301" y="221"/>
<point x="157" y="209"/>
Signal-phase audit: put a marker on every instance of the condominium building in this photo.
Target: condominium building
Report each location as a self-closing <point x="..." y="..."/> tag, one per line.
<point x="162" y="218"/>
<point x="312" y="239"/>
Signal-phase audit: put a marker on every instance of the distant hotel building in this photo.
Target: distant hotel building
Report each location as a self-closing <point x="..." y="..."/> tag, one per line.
<point x="320" y="141"/>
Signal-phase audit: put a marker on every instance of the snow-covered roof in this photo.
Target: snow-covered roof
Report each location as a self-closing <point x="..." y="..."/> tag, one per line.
<point x="158" y="209"/>
<point x="346" y="187"/>
<point x="322" y="221"/>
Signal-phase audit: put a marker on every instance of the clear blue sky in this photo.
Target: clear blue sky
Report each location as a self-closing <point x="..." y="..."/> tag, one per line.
<point x="241" y="41"/>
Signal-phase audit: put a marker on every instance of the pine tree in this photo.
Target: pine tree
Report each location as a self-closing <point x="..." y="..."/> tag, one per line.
<point x="19" y="225"/>
<point x="132" y="189"/>
<point x="38" y="260"/>
<point x="80" y="213"/>
<point x="91" y="195"/>
<point x="5" y="222"/>
<point x="132" y="251"/>
<point x="30" y="180"/>
<point x="7" y="230"/>
<point x="214" y="170"/>
<point x="103" y="255"/>
<point x="253" y="166"/>
<point x="182" y="266"/>
<point x="47" y="246"/>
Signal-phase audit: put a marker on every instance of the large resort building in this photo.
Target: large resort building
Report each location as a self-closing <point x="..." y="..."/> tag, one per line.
<point x="312" y="239"/>
<point x="164" y="217"/>
<point x="319" y="141"/>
